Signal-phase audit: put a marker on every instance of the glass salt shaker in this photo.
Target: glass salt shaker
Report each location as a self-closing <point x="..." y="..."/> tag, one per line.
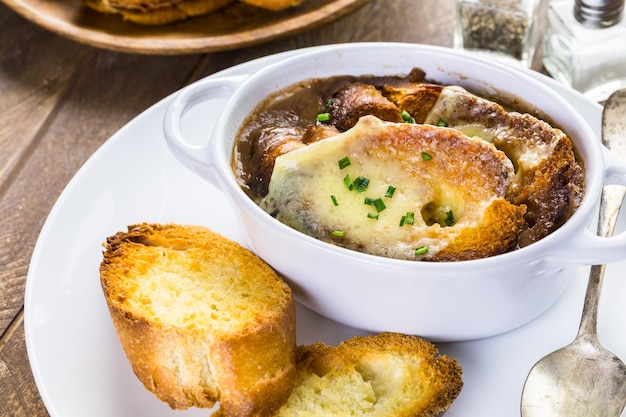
<point x="506" y="30"/>
<point x="585" y="45"/>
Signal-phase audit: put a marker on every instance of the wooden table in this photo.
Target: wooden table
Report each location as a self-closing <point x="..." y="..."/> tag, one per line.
<point x="60" y="100"/>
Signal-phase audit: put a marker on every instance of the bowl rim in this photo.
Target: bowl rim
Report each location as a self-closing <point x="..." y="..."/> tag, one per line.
<point x="536" y="251"/>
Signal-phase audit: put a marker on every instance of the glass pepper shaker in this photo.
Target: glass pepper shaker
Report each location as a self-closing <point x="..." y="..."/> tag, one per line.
<point x="585" y="45"/>
<point x="506" y="30"/>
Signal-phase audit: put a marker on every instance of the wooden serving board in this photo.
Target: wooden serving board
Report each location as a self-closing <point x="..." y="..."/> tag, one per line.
<point x="235" y="26"/>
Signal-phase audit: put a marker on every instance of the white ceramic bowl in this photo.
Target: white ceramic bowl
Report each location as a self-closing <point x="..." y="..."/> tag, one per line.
<point x="440" y="301"/>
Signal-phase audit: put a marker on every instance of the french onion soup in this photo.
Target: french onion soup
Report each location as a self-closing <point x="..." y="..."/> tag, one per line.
<point x="406" y="168"/>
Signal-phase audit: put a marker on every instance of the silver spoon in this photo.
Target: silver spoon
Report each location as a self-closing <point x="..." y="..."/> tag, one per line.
<point x="583" y="378"/>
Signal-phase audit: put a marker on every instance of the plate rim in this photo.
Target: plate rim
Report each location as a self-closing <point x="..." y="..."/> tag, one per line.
<point x="114" y="140"/>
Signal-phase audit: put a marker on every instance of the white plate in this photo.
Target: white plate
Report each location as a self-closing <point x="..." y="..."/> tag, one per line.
<point x="76" y="358"/>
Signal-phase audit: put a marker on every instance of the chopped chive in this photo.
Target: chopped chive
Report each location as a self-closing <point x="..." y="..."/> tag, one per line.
<point x="407" y="117"/>
<point x="408" y="218"/>
<point x="348" y="182"/>
<point x="372" y="216"/>
<point x="426" y="156"/>
<point x="334" y="198"/>
<point x="449" y="220"/>
<point x="442" y="123"/>
<point x="390" y="190"/>
<point x="323" y="117"/>
<point x="344" y="162"/>
<point x="378" y="203"/>
<point x="360" y="184"/>
<point x="339" y="233"/>
<point x="329" y="103"/>
<point x="421" y="250"/>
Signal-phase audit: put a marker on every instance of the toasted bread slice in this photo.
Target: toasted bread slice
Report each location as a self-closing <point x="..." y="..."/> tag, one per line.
<point x="548" y="181"/>
<point x="274" y="5"/>
<point x="157" y="12"/>
<point x="386" y="375"/>
<point x="450" y="185"/>
<point x="201" y="318"/>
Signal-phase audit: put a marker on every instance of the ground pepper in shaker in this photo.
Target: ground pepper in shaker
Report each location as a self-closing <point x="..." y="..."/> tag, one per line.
<point x="504" y="29"/>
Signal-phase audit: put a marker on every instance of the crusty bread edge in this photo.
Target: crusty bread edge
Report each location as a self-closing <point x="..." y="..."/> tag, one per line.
<point x="162" y="14"/>
<point x="221" y="365"/>
<point x="151" y="350"/>
<point x="444" y="373"/>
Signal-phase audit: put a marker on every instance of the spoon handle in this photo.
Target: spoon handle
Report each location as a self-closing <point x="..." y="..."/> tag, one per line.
<point x="614" y="138"/>
<point x="610" y="202"/>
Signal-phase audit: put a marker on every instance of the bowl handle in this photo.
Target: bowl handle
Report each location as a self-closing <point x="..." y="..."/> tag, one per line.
<point x="196" y="157"/>
<point x="588" y="248"/>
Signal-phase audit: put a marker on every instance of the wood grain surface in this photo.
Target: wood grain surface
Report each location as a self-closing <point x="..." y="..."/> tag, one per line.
<point x="60" y="100"/>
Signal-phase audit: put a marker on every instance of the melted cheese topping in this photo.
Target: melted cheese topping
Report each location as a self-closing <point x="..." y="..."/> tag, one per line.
<point x="443" y="179"/>
<point x="508" y="131"/>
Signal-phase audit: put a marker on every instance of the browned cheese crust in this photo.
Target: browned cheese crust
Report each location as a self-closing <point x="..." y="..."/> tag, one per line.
<point x="551" y="190"/>
<point x="396" y="374"/>
<point x="474" y="171"/>
<point x="201" y="319"/>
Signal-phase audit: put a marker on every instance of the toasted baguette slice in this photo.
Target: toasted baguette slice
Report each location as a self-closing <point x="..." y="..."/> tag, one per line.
<point x="456" y="195"/>
<point x="157" y="12"/>
<point x="201" y="318"/>
<point x="549" y="180"/>
<point x="274" y="5"/>
<point x="387" y="375"/>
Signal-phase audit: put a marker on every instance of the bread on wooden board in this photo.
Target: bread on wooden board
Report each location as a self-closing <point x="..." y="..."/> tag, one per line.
<point x="157" y="12"/>
<point x="274" y="5"/>
<point x="161" y="12"/>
